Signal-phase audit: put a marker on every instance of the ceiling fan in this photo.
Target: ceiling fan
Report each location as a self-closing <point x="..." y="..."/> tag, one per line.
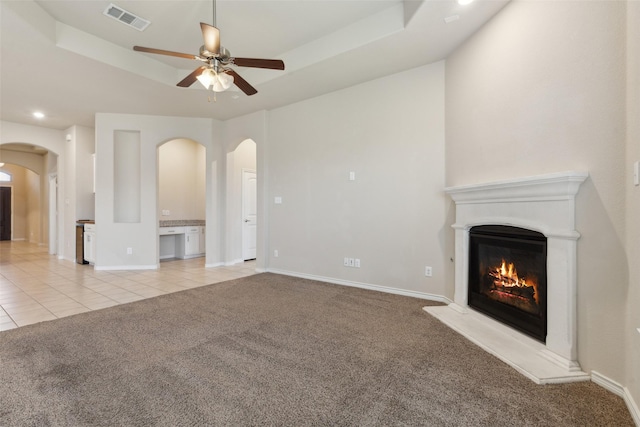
<point x="216" y="73"/>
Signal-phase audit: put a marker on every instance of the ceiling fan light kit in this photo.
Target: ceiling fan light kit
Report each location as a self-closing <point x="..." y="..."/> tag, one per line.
<point x="217" y="74"/>
<point x="218" y="82"/>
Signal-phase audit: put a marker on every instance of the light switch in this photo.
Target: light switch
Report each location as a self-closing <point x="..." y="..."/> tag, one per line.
<point x="352" y="176"/>
<point x="636" y="173"/>
<point x="277" y="200"/>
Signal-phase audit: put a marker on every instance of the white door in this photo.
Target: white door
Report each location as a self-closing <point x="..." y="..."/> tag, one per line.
<point x="249" y="214"/>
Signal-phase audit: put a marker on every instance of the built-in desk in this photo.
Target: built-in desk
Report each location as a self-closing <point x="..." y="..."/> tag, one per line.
<point x="182" y="241"/>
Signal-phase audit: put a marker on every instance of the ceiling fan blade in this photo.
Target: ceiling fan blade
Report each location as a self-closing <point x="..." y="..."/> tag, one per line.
<point x="242" y="84"/>
<point x="211" y="36"/>
<point x="163" y="52"/>
<point x="272" y="64"/>
<point x="191" y="78"/>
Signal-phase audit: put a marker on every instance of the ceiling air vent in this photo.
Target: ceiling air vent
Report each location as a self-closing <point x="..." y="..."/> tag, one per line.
<point x="125" y="17"/>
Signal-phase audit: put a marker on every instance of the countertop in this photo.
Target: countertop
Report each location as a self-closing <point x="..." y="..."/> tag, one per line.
<point x="182" y="222"/>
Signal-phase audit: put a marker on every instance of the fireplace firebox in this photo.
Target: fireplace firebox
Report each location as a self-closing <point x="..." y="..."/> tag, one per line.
<point x="508" y="277"/>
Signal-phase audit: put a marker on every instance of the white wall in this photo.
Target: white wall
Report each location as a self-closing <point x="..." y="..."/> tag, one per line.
<point x="113" y="239"/>
<point x="390" y="132"/>
<point x="541" y="89"/>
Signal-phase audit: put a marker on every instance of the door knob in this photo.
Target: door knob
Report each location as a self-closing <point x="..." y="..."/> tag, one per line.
<point x="246" y="220"/>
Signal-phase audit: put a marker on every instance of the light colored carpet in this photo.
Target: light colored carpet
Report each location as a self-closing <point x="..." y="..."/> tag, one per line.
<point x="274" y="350"/>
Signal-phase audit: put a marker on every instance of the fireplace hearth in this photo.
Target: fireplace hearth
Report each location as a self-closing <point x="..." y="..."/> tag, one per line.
<point x="542" y="209"/>
<point x="508" y="277"/>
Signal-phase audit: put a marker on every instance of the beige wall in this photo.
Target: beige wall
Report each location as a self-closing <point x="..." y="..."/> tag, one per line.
<point x="541" y="89"/>
<point x="112" y="238"/>
<point x="29" y="214"/>
<point x="390" y="132"/>
<point x="243" y="157"/>
<point x="633" y="200"/>
<point x="51" y="163"/>
<point x="18" y="186"/>
<point x="33" y="208"/>
<point x="181" y="180"/>
<point x="254" y="127"/>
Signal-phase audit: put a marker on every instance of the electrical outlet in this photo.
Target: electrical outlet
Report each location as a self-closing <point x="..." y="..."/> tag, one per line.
<point x="275" y="253"/>
<point x="351" y="262"/>
<point x="428" y="271"/>
<point x="129" y="251"/>
<point x="277" y="200"/>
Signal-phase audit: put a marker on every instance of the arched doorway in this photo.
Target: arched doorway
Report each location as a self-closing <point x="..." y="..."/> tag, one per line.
<point x="241" y="202"/>
<point x="27" y="216"/>
<point x="181" y="199"/>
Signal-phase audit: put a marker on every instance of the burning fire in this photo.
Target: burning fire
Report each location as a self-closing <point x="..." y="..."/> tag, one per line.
<point x="506" y="278"/>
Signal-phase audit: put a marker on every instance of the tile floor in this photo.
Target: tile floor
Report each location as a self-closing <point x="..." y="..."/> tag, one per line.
<point x="36" y="286"/>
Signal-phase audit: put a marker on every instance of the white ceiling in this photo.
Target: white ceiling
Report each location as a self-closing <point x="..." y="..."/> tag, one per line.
<point x="68" y="60"/>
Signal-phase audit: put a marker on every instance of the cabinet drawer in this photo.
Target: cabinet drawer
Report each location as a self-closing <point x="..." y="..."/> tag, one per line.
<point x="192" y="229"/>
<point x="89" y="227"/>
<point x="171" y="230"/>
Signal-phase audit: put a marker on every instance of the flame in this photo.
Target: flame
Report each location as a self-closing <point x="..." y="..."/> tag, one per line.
<point x="506" y="276"/>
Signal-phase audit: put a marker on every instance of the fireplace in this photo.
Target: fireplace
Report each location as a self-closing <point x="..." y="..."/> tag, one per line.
<point x="508" y="277"/>
<point x="541" y="210"/>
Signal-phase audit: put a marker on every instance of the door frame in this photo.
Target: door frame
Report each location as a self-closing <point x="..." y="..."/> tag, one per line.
<point x="245" y="255"/>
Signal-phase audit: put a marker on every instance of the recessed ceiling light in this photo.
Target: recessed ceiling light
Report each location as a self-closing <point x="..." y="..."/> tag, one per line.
<point x="464" y="2"/>
<point x="38" y="115"/>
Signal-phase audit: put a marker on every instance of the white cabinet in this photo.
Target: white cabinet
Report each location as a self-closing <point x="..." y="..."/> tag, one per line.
<point x="191" y="241"/>
<point x="90" y="243"/>
<point x="203" y="240"/>
<point x="182" y="242"/>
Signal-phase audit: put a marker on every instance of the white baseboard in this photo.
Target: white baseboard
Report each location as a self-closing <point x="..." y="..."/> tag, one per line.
<point x="619" y="390"/>
<point x="216" y="264"/>
<point x="389" y="290"/>
<point x="632" y="405"/>
<point x="234" y="262"/>
<point x="126" y="267"/>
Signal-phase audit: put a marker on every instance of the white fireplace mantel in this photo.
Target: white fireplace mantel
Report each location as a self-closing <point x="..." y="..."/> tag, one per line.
<point x="546" y="204"/>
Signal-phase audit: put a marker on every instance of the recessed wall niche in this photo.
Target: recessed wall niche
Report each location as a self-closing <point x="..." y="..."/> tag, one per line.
<point x="181" y="180"/>
<point x="126" y="176"/>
